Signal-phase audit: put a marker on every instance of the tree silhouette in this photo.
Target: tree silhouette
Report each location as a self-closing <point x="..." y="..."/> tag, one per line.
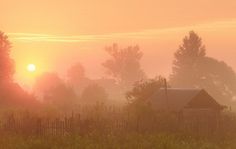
<point x="47" y="81"/>
<point x="61" y="96"/>
<point x="11" y="93"/>
<point x="52" y="90"/>
<point x="6" y="63"/>
<point x="77" y="78"/>
<point x="142" y="90"/>
<point x="138" y="105"/>
<point x="192" y="68"/>
<point x="124" y="65"/>
<point x="185" y="60"/>
<point x="217" y="77"/>
<point x="76" y="72"/>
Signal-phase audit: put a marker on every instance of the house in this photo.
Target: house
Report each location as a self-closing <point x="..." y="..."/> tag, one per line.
<point x="178" y="99"/>
<point x="193" y="107"/>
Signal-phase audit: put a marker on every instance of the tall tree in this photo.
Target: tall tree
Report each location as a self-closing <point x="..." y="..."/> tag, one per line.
<point x="76" y="73"/>
<point x="11" y="94"/>
<point x="6" y="63"/>
<point x="77" y="78"/>
<point x="186" y="58"/>
<point x="192" y="68"/>
<point x="124" y="64"/>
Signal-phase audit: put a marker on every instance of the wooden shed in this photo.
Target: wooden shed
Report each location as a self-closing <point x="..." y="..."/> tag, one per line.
<point x="193" y="107"/>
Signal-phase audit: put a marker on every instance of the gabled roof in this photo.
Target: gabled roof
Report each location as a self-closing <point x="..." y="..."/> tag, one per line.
<point x="175" y="99"/>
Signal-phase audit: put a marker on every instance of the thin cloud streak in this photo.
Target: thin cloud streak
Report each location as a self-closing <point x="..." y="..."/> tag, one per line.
<point x="32" y="37"/>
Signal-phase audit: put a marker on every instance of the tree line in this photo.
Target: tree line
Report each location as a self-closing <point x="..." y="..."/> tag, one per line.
<point x="125" y="79"/>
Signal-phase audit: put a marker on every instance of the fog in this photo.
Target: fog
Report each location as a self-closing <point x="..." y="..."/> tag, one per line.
<point x="157" y="46"/>
<point x="117" y="74"/>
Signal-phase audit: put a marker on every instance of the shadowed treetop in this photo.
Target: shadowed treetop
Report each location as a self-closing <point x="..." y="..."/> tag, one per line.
<point x="188" y="53"/>
<point x="124" y="64"/>
<point x="6" y="63"/>
<point x="192" y="68"/>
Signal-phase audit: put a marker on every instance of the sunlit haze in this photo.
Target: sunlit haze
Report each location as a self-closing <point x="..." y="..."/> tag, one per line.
<point x="56" y="34"/>
<point x="31" y="68"/>
<point x="119" y="74"/>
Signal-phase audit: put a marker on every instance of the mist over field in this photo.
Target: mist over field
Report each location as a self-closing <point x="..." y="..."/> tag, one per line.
<point x="117" y="74"/>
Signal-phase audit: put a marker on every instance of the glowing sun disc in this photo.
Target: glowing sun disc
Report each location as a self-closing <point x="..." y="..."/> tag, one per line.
<point x="31" y="67"/>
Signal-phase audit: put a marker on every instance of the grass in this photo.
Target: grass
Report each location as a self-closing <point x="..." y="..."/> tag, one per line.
<point x="100" y="136"/>
<point x="122" y="141"/>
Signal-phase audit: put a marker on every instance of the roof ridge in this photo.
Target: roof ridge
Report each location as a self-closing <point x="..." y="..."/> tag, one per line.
<point x="182" y="88"/>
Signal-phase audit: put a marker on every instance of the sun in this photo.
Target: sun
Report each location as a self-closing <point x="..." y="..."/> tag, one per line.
<point x="31" y="68"/>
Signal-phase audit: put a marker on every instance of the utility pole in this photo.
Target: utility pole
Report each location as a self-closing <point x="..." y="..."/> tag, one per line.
<point x="166" y="94"/>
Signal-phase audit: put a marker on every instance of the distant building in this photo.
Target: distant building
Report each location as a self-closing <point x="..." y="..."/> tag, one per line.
<point x="193" y="107"/>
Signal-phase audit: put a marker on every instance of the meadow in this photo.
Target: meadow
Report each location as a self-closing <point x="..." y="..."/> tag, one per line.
<point x="100" y="127"/>
<point x="122" y="141"/>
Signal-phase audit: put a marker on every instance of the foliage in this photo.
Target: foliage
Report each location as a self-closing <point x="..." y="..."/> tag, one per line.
<point x="13" y="96"/>
<point x="11" y="93"/>
<point x="47" y="81"/>
<point x="77" y="78"/>
<point x="138" y="104"/>
<point x="143" y="89"/>
<point x="53" y="90"/>
<point x="76" y="72"/>
<point x="124" y="64"/>
<point x="192" y="68"/>
<point x="6" y="63"/>
<point x="61" y="96"/>
<point x="185" y="60"/>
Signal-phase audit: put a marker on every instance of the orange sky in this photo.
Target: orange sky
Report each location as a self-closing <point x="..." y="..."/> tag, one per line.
<point x="54" y="34"/>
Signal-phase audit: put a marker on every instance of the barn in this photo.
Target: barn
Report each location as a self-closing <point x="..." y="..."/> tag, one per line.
<point x="195" y="108"/>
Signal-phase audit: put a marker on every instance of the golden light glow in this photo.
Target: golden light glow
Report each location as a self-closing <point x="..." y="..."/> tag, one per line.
<point x="31" y="68"/>
<point x="53" y="46"/>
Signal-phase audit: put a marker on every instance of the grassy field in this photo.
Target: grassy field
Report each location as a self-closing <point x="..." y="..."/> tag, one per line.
<point x="122" y="141"/>
<point x="106" y="130"/>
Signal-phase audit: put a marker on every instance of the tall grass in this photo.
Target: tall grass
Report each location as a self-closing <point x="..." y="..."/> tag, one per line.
<point x="124" y="141"/>
<point x="102" y="127"/>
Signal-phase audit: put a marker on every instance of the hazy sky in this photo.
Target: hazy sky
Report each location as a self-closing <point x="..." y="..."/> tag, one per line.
<point x="54" y="34"/>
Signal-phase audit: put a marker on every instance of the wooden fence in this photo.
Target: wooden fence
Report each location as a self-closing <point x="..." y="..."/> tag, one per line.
<point x="115" y="122"/>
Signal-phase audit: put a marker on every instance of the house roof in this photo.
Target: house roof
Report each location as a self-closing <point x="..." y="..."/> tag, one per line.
<point x="175" y="99"/>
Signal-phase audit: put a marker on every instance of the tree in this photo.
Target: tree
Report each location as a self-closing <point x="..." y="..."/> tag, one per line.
<point x="192" y="68"/>
<point x="76" y="73"/>
<point x="61" y="96"/>
<point x="11" y="94"/>
<point x="6" y="63"/>
<point x="77" y="78"/>
<point x="124" y="65"/>
<point x="185" y="60"/>
<point x="46" y="82"/>
<point x="93" y="94"/>
<point x="142" y="90"/>
<point x="217" y="77"/>
<point x="138" y="105"/>
<point x="54" y="91"/>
